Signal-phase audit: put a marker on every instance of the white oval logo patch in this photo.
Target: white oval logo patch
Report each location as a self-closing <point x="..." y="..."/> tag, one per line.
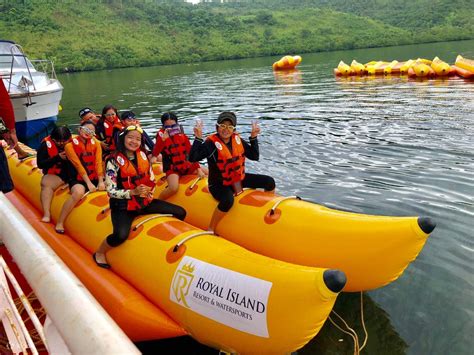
<point x="143" y="155"/>
<point x="120" y="160"/>
<point x="218" y="145"/>
<point x="75" y="141"/>
<point x="237" y="140"/>
<point x="106" y="125"/>
<point x="48" y="144"/>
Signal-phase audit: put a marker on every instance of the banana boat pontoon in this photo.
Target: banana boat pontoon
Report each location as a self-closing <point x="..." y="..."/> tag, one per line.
<point x="171" y="278"/>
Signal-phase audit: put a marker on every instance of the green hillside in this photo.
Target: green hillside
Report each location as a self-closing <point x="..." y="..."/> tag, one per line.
<point x="88" y="35"/>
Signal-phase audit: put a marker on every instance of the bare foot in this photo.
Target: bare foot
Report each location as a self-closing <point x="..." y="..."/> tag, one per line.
<point x="46" y="219"/>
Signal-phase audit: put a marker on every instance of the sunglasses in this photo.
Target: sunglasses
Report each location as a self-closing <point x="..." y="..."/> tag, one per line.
<point x="134" y="128"/>
<point x="224" y="126"/>
<point x="88" y="131"/>
<point x="110" y="114"/>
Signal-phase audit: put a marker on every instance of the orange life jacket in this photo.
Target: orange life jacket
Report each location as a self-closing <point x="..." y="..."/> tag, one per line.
<point x="52" y="152"/>
<point x="108" y="133"/>
<point x="86" y="154"/>
<point x="176" y="148"/>
<point x="131" y="176"/>
<point x="230" y="164"/>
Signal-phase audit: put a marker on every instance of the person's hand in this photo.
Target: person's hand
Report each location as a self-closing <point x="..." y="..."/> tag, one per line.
<point x="91" y="187"/>
<point x="165" y="135"/>
<point x="153" y="159"/>
<point x="141" y="190"/>
<point x="200" y="173"/>
<point x="62" y="155"/>
<point x="104" y="145"/>
<point x="11" y="138"/>
<point x="198" y="129"/>
<point x="101" y="186"/>
<point x="255" y="129"/>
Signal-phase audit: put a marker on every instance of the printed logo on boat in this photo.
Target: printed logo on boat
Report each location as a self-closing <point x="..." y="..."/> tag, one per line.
<point x="218" y="145"/>
<point x="237" y="140"/>
<point x="237" y="300"/>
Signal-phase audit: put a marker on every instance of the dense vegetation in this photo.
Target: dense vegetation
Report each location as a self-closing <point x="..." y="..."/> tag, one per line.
<point x="87" y="34"/>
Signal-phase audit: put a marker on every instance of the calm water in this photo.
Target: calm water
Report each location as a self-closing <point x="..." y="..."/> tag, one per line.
<point x="387" y="146"/>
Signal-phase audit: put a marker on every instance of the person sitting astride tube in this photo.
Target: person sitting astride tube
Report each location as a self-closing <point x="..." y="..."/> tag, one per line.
<point x="51" y="158"/>
<point x="85" y="153"/>
<point x="226" y="152"/>
<point x="174" y="147"/>
<point x="108" y="126"/>
<point x="130" y="183"/>
<point x="86" y="114"/>
<point x="128" y="118"/>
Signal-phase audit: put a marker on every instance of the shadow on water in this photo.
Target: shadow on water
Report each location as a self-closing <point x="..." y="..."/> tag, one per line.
<point x="383" y="339"/>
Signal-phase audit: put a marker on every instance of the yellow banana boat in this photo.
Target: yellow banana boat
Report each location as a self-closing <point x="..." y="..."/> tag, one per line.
<point x="464" y="63"/>
<point x="358" y="68"/>
<point x="440" y="67"/>
<point x="221" y="294"/>
<point x="371" y="250"/>
<point x="343" y="69"/>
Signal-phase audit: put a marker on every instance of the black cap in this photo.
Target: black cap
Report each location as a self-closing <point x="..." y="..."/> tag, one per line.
<point x="127" y="115"/>
<point x="84" y="111"/>
<point x="227" y="116"/>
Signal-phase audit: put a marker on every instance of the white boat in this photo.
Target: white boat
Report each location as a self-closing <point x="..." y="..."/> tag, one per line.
<point x="35" y="93"/>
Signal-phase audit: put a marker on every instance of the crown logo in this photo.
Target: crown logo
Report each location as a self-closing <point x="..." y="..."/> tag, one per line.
<point x="188" y="268"/>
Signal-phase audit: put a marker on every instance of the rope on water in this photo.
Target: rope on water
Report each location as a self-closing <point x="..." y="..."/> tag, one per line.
<point x="351" y="332"/>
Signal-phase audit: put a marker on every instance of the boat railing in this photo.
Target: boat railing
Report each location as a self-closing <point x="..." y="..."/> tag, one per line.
<point x="81" y="323"/>
<point x="38" y="65"/>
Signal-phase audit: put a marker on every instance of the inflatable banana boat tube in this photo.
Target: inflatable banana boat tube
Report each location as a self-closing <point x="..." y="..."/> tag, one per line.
<point x="464" y="67"/>
<point x="371" y="250"/>
<point x="287" y="62"/>
<point x="220" y="293"/>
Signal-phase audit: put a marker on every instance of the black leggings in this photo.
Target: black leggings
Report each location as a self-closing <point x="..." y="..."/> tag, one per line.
<point x="225" y="194"/>
<point x="122" y="219"/>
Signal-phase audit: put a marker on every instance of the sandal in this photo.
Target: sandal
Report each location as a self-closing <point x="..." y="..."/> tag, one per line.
<point x="102" y="265"/>
<point x="59" y="231"/>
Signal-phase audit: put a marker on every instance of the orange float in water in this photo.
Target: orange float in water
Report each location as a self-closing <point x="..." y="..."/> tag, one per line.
<point x="287" y="62"/>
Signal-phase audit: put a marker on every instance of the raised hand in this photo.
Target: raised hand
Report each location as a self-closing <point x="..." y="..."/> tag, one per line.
<point x="198" y="129"/>
<point x="255" y="129"/>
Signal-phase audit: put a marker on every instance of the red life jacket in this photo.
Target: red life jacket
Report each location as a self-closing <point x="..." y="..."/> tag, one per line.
<point x="86" y="153"/>
<point x="52" y="152"/>
<point x="109" y="129"/>
<point x="176" y="147"/>
<point x="131" y="176"/>
<point x="230" y="164"/>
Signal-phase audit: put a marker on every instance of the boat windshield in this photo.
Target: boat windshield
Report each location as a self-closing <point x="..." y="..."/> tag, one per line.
<point x="10" y="52"/>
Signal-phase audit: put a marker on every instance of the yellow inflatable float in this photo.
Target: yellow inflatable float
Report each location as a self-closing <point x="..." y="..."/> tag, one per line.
<point x="371" y="250"/>
<point x="464" y="67"/>
<point x="287" y="62"/>
<point x="218" y="292"/>
<point x="420" y="68"/>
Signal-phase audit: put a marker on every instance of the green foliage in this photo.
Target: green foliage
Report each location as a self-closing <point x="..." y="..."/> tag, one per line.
<point x="102" y="34"/>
